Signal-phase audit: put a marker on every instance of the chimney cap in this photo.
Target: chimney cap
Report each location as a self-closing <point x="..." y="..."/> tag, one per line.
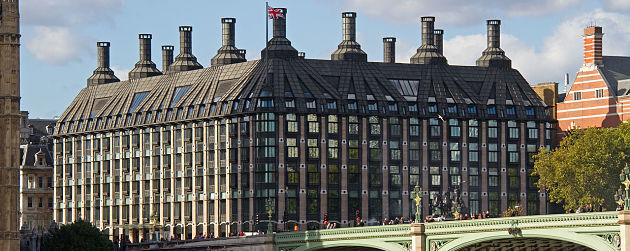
<point x="228" y="20"/>
<point x="389" y="39"/>
<point x="145" y="36"/>
<point x="102" y="44"/>
<point x="168" y="47"/>
<point x="494" y="21"/>
<point x="349" y="14"/>
<point x="592" y="30"/>
<point x="427" y="19"/>
<point x="438" y="31"/>
<point x="185" y="28"/>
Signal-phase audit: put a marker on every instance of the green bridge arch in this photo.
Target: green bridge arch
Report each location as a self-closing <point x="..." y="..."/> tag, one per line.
<point x="597" y="231"/>
<point x="587" y="240"/>
<point x="376" y="244"/>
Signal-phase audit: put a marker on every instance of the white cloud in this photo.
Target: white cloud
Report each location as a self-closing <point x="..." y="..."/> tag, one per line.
<point x="55" y="45"/>
<point x="57" y="36"/>
<point x="560" y="53"/>
<point x="456" y="11"/>
<point x="617" y="5"/>
<point x="121" y="73"/>
<point x="67" y="12"/>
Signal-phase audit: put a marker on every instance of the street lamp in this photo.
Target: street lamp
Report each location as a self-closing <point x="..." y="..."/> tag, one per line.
<point x="270" y="214"/>
<point x="624" y="177"/>
<point x="154" y="219"/>
<point x="417" y="197"/>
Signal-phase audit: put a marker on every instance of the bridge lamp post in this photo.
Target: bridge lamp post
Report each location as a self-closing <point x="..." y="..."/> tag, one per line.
<point x="270" y="214"/>
<point x="624" y="177"/>
<point x="154" y="219"/>
<point x="417" y="197"/>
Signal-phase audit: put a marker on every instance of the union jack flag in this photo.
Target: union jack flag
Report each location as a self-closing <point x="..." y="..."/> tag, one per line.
<point x="274" y="13"/>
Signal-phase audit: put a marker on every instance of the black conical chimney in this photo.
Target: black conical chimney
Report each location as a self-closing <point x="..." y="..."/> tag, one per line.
<point x="494" y="56"/>
<point x="228" y="53"/>
<point x="144" y="67"/>
<point x="102" y="74"/>
<point x="428" y="53"/>
<point x="185" y="61"/>
<point x="279" y="46"/>
<point x="349" y="49"/>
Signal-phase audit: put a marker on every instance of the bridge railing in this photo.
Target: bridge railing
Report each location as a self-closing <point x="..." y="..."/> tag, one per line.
<point x="349" y="233"/>
<point x="524" y="222"/>
<point x="454" y="227"/>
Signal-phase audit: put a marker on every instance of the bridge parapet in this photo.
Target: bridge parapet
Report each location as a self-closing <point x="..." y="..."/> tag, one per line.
<point x="524" y="222"/>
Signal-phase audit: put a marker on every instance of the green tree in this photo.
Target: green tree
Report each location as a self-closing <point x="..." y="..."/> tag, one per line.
<point x="585" y="168"/>
<point x="78" y="236"/>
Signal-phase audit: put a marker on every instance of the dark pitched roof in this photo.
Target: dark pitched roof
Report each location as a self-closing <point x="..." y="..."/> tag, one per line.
<point x="29" y="151"/>
<point x="616" y="70"/>
<point x="264" y="86"/>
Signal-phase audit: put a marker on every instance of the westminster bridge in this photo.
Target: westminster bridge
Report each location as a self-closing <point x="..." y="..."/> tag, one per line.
<point x="601" y="231"/>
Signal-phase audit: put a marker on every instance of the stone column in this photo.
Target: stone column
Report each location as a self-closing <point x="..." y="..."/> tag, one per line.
<point x="624" y="229"/>
<point x="418" y="237"/>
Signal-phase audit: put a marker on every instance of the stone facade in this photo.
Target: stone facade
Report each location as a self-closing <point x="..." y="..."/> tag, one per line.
<point x="36" y="187"/>
<point x="9" y="124"/>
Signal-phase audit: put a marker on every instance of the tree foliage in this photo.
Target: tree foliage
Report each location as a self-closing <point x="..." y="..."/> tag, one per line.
<point x="78" y="236"/>
<point x="585" y="168"/>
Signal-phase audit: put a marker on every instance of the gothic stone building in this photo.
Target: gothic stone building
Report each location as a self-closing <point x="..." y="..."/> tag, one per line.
<point x="9" y="124"/>
<point x="202" y="149"/>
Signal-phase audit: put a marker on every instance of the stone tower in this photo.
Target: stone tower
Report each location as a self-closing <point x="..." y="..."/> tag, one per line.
<point x="9" y="123"/>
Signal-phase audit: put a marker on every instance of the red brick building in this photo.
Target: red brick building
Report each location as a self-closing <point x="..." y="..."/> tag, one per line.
<point x="599" y="95"/>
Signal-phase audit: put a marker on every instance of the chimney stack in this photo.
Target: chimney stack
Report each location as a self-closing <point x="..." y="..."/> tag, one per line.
<point x="102" y="74"/>
<point x="349" y="49"/>
<point x="302" y="54"/>
<point x="185" y="61"/>
<point x="494" y="56"/>
<point x="428" y="53"/>
<point x="593" y="45"/>
<point x="438" y="37"/>
<point x="167" y="57"/>
<point x="228" y="53"/>
<point x="279" y="46"/>
<point x="389" y="49"/>
<point x="145" y="67"/>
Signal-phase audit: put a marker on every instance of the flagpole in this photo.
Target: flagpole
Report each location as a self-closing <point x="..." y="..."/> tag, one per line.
<point x="266" y="29"/>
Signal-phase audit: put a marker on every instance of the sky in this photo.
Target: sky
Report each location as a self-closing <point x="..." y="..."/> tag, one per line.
<point x="542" y="37"/>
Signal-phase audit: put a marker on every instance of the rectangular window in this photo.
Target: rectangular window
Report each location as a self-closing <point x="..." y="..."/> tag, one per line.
<point x="455" y="152"/>
<point x="313" y="174"/>
<point x="599" y="93"/>
<point x="352" y="106"/>
<point x="313" y="149"/>
<point x="433" y="108"/>
<point x="577" y="96"/>
<point x="492" y="110"/>
<point x="473" y="152"/>
<point x="492" y="153"/>
<point x="434" y="148"/>
<point x="353" y="150"/>
<point x="436" y="178"/>
<point x="310" y="104"/>
<point x="288" y="104"/>
<point x="292" y="148"/>
<point x="372" y="107"/>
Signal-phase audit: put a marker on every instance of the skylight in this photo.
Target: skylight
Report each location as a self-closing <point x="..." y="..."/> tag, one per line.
<point x="179" y="93"/>
<point x="137" y="100"/>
